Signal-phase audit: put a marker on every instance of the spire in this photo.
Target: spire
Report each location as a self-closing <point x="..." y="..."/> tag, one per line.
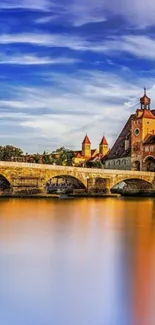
<point x="103" y="147"/>
<point x="144" y="91"/>
<point x="145" y="101"/>
<point x="104" y="141"/>
<point x="86" y="140"/>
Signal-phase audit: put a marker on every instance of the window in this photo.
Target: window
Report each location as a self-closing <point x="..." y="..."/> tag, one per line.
<point x="137" y="132"/>
<point x="147" y="149"/>
<point x="151" y="148"/>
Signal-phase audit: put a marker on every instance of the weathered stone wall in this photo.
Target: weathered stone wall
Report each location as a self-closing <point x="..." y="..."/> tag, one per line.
<point x="120" y="164"/>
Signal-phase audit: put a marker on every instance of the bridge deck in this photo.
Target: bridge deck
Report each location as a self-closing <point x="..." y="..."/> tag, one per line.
<point x="5" y="164"/>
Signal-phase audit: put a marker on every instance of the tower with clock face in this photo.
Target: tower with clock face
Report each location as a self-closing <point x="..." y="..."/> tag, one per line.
<point x="142" y="124"/>
<point x="131" y="150"/>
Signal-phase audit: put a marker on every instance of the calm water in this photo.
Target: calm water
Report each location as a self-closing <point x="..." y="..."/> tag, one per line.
<point x="77" y="262"/>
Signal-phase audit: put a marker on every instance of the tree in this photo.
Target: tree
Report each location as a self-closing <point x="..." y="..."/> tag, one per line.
<point x="94" y="164"/>
<point x="1" y="153"/>
<point x="36" y="158"/>
<point x="47" y="159"/>
<point x="65" y="157"/>
<point x="8" y="152"/>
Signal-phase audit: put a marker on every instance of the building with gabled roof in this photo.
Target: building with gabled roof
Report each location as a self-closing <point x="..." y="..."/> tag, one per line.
<point x="131" y="150"/>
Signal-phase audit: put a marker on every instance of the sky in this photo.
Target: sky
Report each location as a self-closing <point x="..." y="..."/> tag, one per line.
<point x="71" y="67"/>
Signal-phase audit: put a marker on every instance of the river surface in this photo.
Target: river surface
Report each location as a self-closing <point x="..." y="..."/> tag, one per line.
<point x="77" y="262"/>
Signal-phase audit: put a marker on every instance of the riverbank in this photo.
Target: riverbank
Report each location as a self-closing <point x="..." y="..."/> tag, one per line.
<point x="60" y="196"/>
<point x="79" y="195"/>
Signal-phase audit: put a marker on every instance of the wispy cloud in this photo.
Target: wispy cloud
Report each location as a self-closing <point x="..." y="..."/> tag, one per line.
<point x="139" y="13"/>
<point x="141" y="46"/>
<point x="60" y="111"/>
<point x="81" y="12"/>
<point x="77" y="13"/>
<point x="46" y="19"/>
<point x="132" y="44"/>
<point x="43" y="5"/>
<point x="49" y="40"/>
<point x="54" y="106"/>
<point x="35" y="60"/>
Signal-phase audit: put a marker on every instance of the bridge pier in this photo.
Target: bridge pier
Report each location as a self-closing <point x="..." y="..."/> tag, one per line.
<point x="98" y="185"/>
<point x="27" y="185"/>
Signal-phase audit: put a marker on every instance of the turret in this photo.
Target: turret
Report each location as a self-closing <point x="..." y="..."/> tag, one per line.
<point x="86" y="147"/>
<point x="145" y="101"/>
<point x="103" y="147"/>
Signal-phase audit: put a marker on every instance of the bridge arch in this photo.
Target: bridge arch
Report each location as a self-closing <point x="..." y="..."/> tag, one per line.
<point x="5" y="184"/>
<point x="7" y="175"/>
<point x="131" y="184"/>
<point x="65" y="180"/>
<point x="149" y="163"/>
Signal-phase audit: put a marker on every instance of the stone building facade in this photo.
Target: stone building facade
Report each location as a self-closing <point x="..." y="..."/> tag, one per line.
<point x="134" y="149"/>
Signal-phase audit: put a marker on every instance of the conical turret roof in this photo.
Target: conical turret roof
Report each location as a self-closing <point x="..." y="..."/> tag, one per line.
<point x="104" y="141"/>
<point x="86" y="140"/>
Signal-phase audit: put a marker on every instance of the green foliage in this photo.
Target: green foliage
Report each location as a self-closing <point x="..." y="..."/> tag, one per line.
<point x="94" y="164"/>
<point x="36" y="158"/>
<point x="46" y="158"/>
<point x="8" y="152"/>
<point x="65" y="157"/>
<point x="62" y="156"/>
<point x="98" y="164"/>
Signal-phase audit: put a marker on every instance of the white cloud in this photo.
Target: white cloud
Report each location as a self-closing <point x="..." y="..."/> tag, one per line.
<point x="83" y="12"/>
<point x="35" y="60"/>
<point x="77" y="13"/>
<point x="80" y="12"/>
<point x="132" y="44"/>
<point x="141" y="46"/>
<point x="49" y="40"/>
<point x="46" y="19"/>
<point x="70" y="106"/>
<point x="137" y="12"/>
<point x="43" y="5"/>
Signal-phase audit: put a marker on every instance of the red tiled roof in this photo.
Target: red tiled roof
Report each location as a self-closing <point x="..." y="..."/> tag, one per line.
<point x="97" y="156"/>
<point x="78" y="153"/>
<point x="148" y="114"/>
<point x="93" y="151"/>
<point x="104" y="141"/>
<point x="86" y="140"/>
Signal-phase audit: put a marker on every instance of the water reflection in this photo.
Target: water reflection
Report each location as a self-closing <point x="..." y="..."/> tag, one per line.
<point x="77" y="262"/>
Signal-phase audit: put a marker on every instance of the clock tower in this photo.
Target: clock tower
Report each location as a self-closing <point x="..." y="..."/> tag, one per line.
<point x="142" y="124"/>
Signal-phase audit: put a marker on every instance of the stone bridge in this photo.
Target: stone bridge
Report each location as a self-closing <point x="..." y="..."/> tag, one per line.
<point x="22" y="176"/>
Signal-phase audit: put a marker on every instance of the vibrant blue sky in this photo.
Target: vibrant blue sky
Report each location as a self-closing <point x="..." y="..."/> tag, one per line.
<point x="68" y="67"/>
